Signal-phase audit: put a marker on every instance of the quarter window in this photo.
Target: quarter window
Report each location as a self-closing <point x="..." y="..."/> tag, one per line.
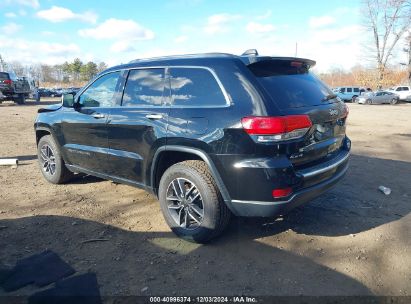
<point x="144" y="87"/>
<point x="102" y="93"/>
<point x="195" y="87"/>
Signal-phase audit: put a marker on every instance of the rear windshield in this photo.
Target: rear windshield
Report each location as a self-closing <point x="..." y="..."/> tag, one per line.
<point x="290" y="84"/>
<point x="4" y="76"/>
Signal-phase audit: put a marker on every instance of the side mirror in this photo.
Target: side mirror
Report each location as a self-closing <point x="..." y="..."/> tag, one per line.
<point x="67" y="100"/>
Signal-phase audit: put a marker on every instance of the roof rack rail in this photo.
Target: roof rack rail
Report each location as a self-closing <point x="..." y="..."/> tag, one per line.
<point x="250" y="52"/>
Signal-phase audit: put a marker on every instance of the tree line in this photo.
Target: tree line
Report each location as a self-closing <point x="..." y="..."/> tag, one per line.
<point x="69" y="73"/>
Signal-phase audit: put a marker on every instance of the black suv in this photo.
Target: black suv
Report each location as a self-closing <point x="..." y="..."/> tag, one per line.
<point x="13" y="88"/>
<point x="210" y="135"/>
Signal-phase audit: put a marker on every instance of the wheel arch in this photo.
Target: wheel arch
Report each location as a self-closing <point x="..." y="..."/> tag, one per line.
<point x="197" y="154"/>
<point x="41" y="132"/>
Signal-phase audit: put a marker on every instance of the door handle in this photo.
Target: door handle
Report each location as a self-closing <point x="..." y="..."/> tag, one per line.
<point x="98" y="115"/>
<point x="154" y="116"/>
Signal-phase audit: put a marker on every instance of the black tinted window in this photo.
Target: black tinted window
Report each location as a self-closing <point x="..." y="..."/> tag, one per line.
<point x="102" y="92"/>
<point x="195" y="87"/>
<point x="144" y="87"/>
<point x="291" y="85"/>
<point x="4" y="76"/>
<point x="349" y="90"/>
<point x="356" y="90"/>
<point x="405" y="89"/>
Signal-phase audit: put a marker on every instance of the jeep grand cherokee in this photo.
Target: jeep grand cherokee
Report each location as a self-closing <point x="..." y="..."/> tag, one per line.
<point x="210" y="135"/>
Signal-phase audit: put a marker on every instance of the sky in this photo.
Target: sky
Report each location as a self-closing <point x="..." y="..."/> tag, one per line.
<point x="53" y="31"/>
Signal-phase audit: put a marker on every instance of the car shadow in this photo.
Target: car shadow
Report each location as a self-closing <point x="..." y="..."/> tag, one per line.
<point x="353" y="206"/>
<point x="158" y="263"/>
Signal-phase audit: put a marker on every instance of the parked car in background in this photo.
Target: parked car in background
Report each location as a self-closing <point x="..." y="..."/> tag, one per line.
<point x="13" y="88"/>
<point x="347" y="93"/>
<point x="379" y="97"/>
<point x="402" y="91"/>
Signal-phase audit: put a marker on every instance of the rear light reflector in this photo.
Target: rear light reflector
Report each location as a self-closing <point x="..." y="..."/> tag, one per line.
<point x="283" y="192"/>
<point x="7" y="81"/>
<point x="276" y="128"/>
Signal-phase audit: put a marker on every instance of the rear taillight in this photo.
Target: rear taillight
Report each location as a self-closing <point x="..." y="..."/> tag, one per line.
<point x="282" y="192"/>
<point x="271" y="129"/>
<point x="8" y="81"/>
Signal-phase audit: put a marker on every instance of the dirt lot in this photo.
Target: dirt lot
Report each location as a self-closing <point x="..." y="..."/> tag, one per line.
<point x="354" y="240"/>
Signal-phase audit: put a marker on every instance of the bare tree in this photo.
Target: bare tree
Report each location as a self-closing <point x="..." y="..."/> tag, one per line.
<point x="388" y="20"/>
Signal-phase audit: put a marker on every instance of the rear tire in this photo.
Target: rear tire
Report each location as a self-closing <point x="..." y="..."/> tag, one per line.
<point x="21" y="99"/>
<point x="394" y="101"/>
<point x="51" y="163"/>
<point x="197" y="220"/>
<point x="354" y="98"/>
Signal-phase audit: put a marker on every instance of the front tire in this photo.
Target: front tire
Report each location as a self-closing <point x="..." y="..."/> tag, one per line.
<point x="191" y="202"/>
<point x="50" y="161"/>
<point x="368" y="101"/>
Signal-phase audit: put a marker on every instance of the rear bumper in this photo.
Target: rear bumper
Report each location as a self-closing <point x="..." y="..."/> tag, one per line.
<point x="268" y="209"/>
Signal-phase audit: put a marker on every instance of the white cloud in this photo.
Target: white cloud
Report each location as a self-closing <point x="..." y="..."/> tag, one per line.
<point x="31" y="3"/>
<point x="10" y="15"/>
<point x="123" y="46"/>
<point x="322" y="21"/>
<point x="181" y="39"/>
<point x="29" y="51"/>
<point x="266" y="15"/>
<point x="254" y="27"/>
<point x="219" y="23"/>
<point x="118" y="29"/>
<point x="10" y="28"/>
<point x="60" y="14"/>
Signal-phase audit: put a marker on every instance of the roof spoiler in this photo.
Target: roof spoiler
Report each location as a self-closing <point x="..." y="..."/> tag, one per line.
<point x="251" y="56"/>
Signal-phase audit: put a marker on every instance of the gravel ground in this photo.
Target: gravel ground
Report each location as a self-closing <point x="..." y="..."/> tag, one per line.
<point x="353" y="240"/>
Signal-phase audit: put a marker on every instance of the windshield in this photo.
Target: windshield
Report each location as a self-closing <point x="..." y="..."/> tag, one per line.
<point x="291" y="85"/>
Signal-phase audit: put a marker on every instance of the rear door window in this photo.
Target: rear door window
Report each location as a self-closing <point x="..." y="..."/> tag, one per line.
<point x="405" y="89"/>
<point x="4" y="76"/>
<point x="291" y="85"/>
<point x="356" y="90"/>
<point x="195" y="87"/>
<point x="349" y="90"/>
<point x="144" y="87"/>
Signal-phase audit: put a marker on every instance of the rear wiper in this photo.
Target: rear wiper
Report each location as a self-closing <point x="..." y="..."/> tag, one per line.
<point x="328" y="97"/>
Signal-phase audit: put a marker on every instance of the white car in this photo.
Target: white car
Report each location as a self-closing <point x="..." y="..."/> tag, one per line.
<point x="401" y="91"/>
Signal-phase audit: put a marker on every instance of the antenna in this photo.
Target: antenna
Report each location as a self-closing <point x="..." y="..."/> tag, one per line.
<point x="296" y="49"/>
<point x="250" y="52"/>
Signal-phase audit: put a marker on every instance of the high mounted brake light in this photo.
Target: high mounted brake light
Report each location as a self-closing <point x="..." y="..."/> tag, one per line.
<point x="269" y="129"/>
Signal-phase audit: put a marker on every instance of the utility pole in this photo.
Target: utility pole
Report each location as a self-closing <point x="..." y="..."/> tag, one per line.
<point x="2" y="64"/>
<point x="409" y="59"/>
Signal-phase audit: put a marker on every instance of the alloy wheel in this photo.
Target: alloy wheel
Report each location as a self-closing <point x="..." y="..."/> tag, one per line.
<point x="185" y="204"/>
<point x="48" y="159"/>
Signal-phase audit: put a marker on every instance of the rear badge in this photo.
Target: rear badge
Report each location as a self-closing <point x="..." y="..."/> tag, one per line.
<point x="333" y="112"/>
